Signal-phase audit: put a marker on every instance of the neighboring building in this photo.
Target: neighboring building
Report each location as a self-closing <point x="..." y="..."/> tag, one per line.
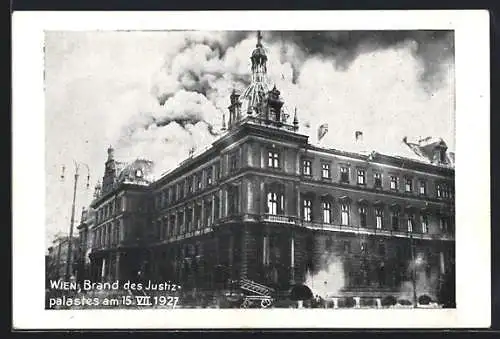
<point x="85" y="243"/>
<point x="122" y="214"/>
<point x="58" y="256"/>
<point x="264" y="204"/>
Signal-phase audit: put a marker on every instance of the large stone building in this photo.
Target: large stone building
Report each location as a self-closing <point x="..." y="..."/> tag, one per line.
<point x="262" y="203"/>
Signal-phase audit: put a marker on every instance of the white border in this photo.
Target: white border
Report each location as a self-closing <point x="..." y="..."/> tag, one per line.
<point x="472" y="149"/>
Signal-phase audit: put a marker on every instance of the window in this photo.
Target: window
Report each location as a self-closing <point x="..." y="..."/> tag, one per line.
<point x="379" y="215"/>
<point x="377" y="177"/>
<point x="421" y="187"/>
<point x="217" y="172"/>
<point x="439" y="190"/>
<point x="410" y="223"/>
<point x="325" y="170"/>
<point x="307" y="210"/>
<point x="446" y="191"/>
<point x="209" y="176"/>
<point x="172" y="225"/>
<point x="395" y="220"/>
<point x="163" y="199"/>
<point x="443" y="224"/>
<point x="273" y="159"/>
<point x="306" y="167"/>
<point x="197" y="216"/>
<point x="394" y="182"/>
<point x="180" y="225"/>
<point x="274" y="203"/>
<point x="208" y="213"/>
<point x="216" y="207"/>
<point x="344" y="214"/>
<point x="181" y="190"/>
<point x="189" y="219"/>
<point x="197" y="181"/>
<point x="344" y="174"/>
<point x="189" y="185"/>
<point x="233" y="162"/>
<point x="361" y="176"/>
<point x="408" y="185"/>
<point x="362" y="216"/>
<point x="425" y="223"/>
<point x="327" y="212"/>
<point x="233" y="200"/>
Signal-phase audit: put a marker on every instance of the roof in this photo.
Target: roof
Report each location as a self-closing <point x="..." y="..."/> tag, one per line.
<point x="139" y="171"/>
<point x="421" y="150"/>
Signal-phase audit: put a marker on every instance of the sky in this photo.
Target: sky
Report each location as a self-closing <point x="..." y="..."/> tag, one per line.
<point x="155" y="94"/>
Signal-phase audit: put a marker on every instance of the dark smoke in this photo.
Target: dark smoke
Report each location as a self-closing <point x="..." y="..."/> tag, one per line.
<point x="432" y="47"/>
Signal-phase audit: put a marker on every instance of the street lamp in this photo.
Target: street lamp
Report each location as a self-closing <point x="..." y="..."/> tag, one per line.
<point x="72" y="221"/>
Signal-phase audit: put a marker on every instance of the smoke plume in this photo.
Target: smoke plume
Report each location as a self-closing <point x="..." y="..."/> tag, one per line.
<point x="329" y="280"/>
<point x="424" y="284"/>
<point x="346" y="79"/>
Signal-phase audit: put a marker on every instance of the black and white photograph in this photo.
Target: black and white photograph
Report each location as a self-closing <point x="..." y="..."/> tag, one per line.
<point x="294" y="169"/>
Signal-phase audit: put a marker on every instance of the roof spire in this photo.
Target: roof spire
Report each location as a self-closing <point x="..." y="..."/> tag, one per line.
<point x="259" y="39"/>
<point x="223" y="121"/>
<point x="295" y="120"/>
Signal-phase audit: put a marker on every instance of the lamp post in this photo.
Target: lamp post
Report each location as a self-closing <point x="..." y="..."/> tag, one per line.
<point x="72" y="220"/>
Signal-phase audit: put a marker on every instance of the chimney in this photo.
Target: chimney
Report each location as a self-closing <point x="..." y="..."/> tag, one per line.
<point x="358" y="135"/>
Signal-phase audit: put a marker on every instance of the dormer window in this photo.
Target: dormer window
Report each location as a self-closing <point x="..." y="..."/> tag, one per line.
<point x="440" y="154"/>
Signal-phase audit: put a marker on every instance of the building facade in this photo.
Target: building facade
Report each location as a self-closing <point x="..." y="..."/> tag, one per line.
<point x="262" y="203"/>
<point x="57" y="257"/>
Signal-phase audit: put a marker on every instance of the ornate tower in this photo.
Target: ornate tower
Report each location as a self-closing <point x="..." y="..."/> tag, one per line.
<point x="234" y="108"/>
<point x="109" y="171"/>
<point x="258" y="102"/>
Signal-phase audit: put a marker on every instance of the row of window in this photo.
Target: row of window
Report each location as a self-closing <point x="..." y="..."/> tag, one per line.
<point x="275" y="206"/>
<point x="108" y="235"/>
<point x="395" y="217"/>
<point x="442" y="190"/>
<point x="204" y="178"/>
<point x="109" y="209"/>
<point x="187" y="220"/>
